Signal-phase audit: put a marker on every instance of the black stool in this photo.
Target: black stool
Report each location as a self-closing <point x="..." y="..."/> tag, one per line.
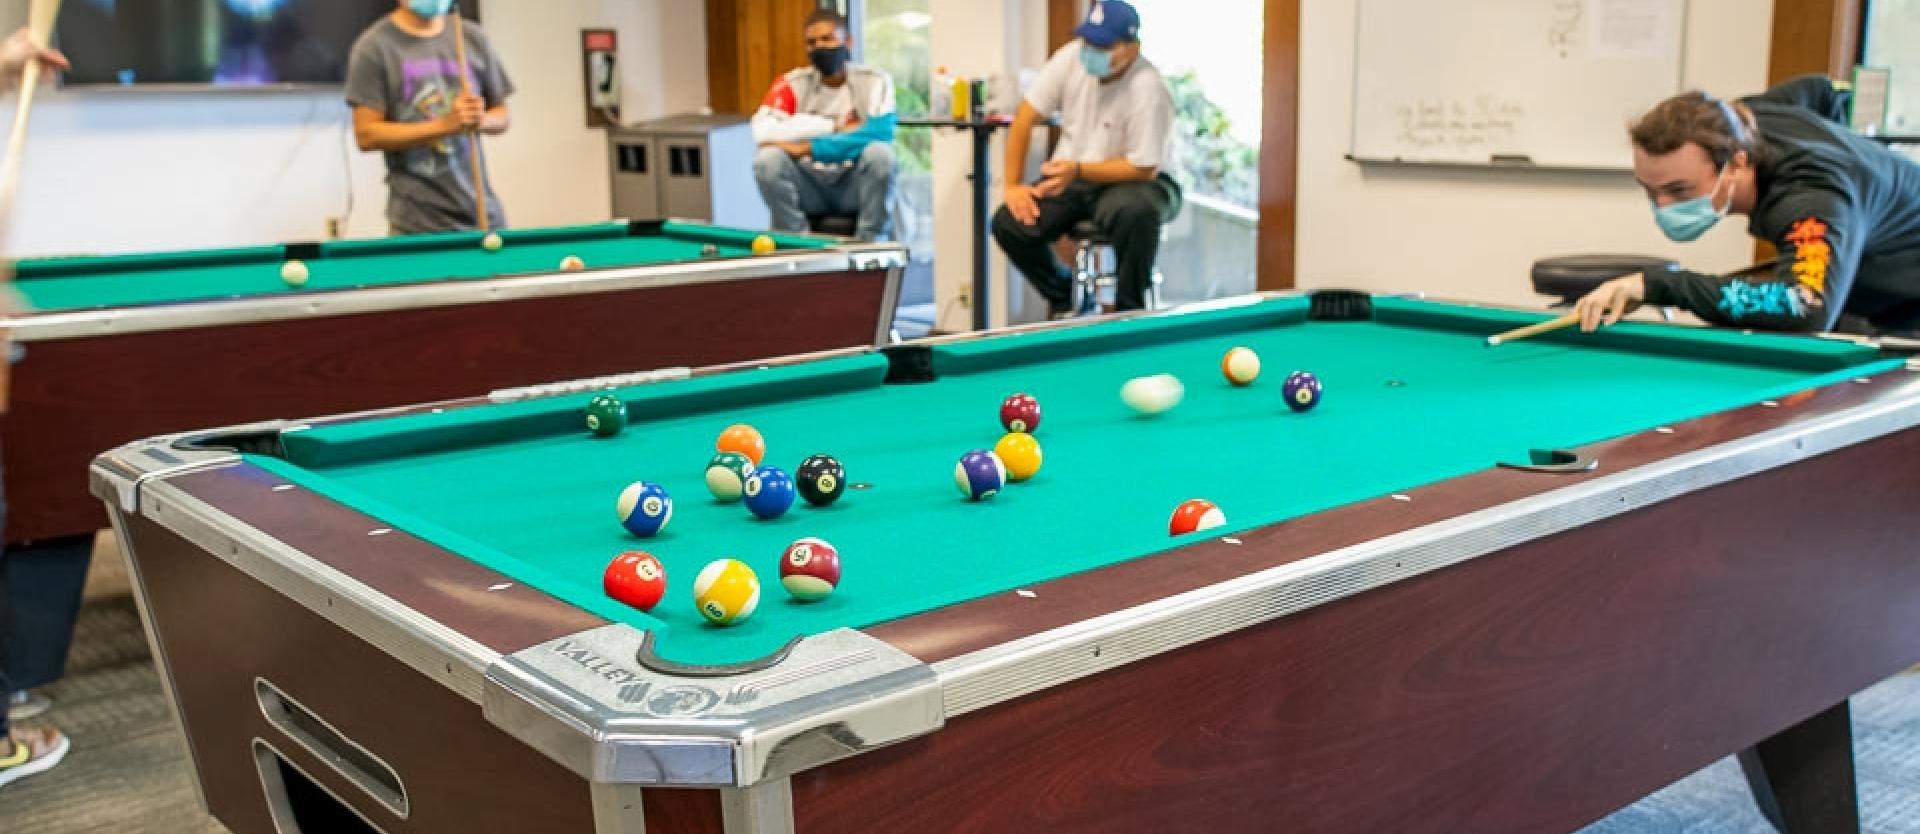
<point x="1571" y="277"/>
<point x="1091" y="279"/>
<point x="836" y="224"/>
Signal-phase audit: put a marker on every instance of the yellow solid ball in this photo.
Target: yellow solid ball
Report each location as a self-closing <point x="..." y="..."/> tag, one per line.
<point x="762" y="245"/>
<point x="1020" y="452"/>
<point x="492" y="242"/>
<point x="726" y="591"/>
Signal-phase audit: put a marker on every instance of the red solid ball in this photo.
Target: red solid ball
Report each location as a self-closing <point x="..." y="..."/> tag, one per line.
<point x="1195" y="515"/>
<point x="636" y="578"/>
<point x="810" y="569"/>
<point x="1020" y="413"/>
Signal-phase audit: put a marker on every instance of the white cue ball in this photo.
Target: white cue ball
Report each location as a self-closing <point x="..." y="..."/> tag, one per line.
<point x="492" y="242"/>
<point x="572" y="263"/>
<point x="294" y="273"/>
<point x="1152" y="394"/>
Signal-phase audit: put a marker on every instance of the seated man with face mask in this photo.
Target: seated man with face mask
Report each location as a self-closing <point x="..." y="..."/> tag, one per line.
<point x="1843" y="210"/>
<point x="826" y="136"/>
<point x="1116" y="114"/>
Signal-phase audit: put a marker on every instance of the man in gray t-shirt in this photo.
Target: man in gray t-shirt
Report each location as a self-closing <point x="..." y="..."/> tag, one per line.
<point x="403" y="82"/>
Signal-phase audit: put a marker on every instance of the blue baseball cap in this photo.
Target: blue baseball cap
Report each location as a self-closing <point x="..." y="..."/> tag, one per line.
<point x="1108" y="23"/>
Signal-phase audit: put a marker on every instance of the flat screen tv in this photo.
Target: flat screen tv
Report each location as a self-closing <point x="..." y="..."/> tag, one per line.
<point x="233" y="44"/>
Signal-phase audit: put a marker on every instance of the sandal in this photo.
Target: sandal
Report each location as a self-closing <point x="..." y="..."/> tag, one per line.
<point x="30" y="752"/>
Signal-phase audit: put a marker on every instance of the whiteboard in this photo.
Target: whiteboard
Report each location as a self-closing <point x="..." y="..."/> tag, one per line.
<point x="1551" y="83"/>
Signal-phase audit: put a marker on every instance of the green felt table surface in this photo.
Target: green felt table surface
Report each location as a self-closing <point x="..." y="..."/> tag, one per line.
<point x="1411" y="397"/>
<point x="78" y="283"/>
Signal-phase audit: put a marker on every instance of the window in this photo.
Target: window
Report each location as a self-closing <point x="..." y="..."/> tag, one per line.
<point x="893" y="37"/>
<point x="1211" y="53"/>
<point x="1209" y="50"/>
<point x="1893" y="42"/>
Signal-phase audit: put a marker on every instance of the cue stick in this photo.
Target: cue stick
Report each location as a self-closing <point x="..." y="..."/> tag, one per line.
<point x="1548" y="326"/>
<point x="473" y="133"/>
<point x="41" y="15"/>
<point x="40" y="18"/>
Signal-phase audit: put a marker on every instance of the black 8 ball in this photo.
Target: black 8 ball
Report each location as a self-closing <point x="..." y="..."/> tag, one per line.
<point x="821" y="480"/>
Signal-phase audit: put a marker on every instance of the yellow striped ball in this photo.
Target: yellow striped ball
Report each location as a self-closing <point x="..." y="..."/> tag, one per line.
<point x="726" y="591"/>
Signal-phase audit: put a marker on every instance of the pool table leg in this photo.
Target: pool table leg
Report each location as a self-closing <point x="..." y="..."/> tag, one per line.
<point x="766" y="808"/>
<point x="1802" y="777"/>
<point x="616" y="810"/>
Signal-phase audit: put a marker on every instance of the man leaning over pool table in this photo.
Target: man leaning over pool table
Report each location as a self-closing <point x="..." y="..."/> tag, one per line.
<point x="1842" y="209"/>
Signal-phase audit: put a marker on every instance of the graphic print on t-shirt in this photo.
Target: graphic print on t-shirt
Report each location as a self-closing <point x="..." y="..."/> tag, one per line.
<point x="428" y="87"/>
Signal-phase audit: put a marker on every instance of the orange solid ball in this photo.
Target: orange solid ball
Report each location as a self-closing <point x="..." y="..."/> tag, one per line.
<point x="744" y="439"/>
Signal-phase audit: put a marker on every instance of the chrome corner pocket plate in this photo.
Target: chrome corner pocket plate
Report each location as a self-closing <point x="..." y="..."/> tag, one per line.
<point x="585" y="701"/>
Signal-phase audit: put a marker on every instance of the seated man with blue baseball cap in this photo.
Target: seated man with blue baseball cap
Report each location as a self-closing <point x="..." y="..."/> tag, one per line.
<point x="1115" y="114"/>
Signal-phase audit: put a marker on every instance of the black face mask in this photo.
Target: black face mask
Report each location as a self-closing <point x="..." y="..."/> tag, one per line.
<point x="829" y="60"/>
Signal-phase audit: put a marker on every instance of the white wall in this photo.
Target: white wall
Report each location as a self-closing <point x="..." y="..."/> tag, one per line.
<point x="551" y="168"/>
<point x="1473" y="234"/>
<point x="116" y="171"/>
<point x="992" y="40"/>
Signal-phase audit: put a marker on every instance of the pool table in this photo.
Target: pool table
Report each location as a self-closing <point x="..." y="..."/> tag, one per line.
<point x="1478" y="588"/>
<point x="123" y="347"/>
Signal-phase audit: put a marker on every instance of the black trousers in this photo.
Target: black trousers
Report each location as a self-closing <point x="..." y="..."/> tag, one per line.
<point x="6" y="627"/>
<point x="1128" y="213"/>
<point x="42" y="588"/>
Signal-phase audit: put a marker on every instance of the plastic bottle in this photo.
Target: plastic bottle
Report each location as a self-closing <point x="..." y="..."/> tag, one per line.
<point x="962" y="98"/>
<point x="940" y="94"/>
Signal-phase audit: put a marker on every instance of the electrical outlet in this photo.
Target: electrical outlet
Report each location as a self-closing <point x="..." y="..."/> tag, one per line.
<point x="336" y="228"/>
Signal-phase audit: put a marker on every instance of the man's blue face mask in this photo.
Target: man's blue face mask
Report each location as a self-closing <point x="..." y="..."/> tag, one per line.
<point x="1689" y="219"/>
<point x="429" y="8"/>
<point x="1097" y="62"/>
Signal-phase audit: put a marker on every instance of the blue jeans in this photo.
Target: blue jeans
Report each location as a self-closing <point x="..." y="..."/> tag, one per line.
<point x="795" y="188"/>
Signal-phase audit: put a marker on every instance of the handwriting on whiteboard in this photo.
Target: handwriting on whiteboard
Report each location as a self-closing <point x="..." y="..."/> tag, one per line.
<point x="1486" y="123"/>
<point x="1566" y="31"/>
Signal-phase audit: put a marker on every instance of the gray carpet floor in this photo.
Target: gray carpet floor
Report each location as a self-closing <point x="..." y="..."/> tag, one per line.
<point x="1886" y="749"/>
<point x="128" y="771"/>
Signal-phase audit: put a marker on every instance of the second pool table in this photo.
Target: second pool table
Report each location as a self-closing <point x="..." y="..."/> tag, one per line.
<point x="121" y="347"/>
<point x="1419" y="617"/>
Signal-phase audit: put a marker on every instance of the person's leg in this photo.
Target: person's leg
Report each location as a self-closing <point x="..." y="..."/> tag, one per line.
<point x="49" y="578"/>
<point x="870" y="187"/>
<point x="23" y="752"/>
<point x="783" y="184"/>
<point x="1029" y="246"/>
<point x="1129" y="214"/>
<point x="6" y="639"/>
